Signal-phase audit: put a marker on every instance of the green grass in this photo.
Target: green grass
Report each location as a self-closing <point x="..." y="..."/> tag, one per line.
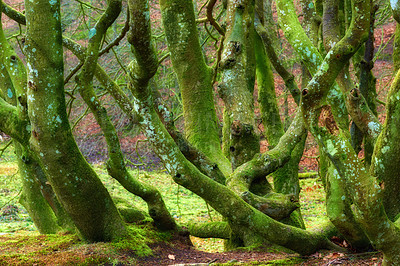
<point x="312" y="198"/>
<point x="10" y="189"/>
<point x="183" y="205"/>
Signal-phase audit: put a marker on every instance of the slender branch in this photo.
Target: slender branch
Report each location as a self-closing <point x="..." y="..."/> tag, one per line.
<point x="73" y="72"/>
<point x="14" y="14"/>
<point x="89" y="5"/>
<point x="116" y="41"/>
<point x="81" y="117"/>
<point x="210" y="7"/>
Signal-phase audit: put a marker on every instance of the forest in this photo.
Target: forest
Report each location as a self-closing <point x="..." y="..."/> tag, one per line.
<point x="231" y="99"/>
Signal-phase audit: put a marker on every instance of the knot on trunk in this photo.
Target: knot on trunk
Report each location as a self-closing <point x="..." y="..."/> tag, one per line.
<point x="327" y="120"/>
<point x="240" y="129"/>
<point x="276" y="205"/>
<point x="229" y="57"/>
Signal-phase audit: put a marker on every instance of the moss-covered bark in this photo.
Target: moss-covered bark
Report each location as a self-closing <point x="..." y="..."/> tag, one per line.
<point x="231" y="206"/>
<point x="267" y="40"/>
<point x="237" y="65"/>
<point x="246" y="179"/>
<point x="36" y="197"/>
<point x="310" y="56"/>
<point x="270" y="116"/>
<point x="368" y="83"/>
<point x="191" y="153"/>
<point x="362" y="187"/>
<point x="76" y="184"/>
<point x="31" y="198"/>
<point x="340" y="213"/>
<point x="385" y="161"/>
<point x="110" y="85"/>
<point x="396" y="48"/>
<point x="194" y="78"/>
<point x="116" y="164"/>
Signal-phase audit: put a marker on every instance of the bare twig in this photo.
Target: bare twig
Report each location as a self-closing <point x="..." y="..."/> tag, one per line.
<point x="80" y="118"/>
<point x="163" y="58"/>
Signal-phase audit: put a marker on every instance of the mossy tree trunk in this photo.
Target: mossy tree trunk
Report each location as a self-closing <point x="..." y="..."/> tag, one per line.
<point x="237" y="65"/>
<point x="74" y="181"/>
<point x="241" y="219"/>
<point x="194" y="78"/>
<point x="37" y="197"/>
<point x="253" y="212"/>
<point x="285" y="178"/>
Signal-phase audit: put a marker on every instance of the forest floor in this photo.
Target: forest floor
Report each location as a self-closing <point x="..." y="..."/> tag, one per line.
<point x="35" y="249"/>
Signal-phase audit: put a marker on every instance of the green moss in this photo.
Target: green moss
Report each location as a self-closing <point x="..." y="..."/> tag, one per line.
<point x="287" y="261"/>
<point x="138" y="239"/>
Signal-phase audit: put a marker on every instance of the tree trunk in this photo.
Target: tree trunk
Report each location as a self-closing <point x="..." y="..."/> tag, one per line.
<point x="73" y="180"/>
<point x="194" y="78"/>
<point x="240" y="139"/>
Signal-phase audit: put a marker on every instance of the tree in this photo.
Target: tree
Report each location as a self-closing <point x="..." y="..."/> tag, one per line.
<point x="61" y="190"/>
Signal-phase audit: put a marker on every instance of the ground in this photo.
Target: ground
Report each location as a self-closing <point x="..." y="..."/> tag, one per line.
<point x="23" y="249"/>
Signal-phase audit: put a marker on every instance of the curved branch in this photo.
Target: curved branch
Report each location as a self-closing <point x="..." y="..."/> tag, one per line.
<point x="275" y="205"/>
<point x="96" y="34"/>
<point x="266" y="163"/>
<point x="116" y="41"/>
<point x="395" y="4"/>
<point x="311" y="57"/>
<point x="195" y="156"/>
<point x="13" y="14"/>
<point x="210" y="230"/>
<point x="111" y="86"/>
<point x="210" y="7"/>
<point x="11" y="124"/>
<point x="362" y="115"/>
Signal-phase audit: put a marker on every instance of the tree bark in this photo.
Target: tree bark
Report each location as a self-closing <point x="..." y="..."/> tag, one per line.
<point x="237" y="65"/>
<point x="74" y="181"/>
<point x="194" y="78"/>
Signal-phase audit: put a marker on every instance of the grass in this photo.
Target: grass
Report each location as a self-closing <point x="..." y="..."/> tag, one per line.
<point x="13" y="216"/>
<point x="312" y="198"/>
<point x="183" y="205"/>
